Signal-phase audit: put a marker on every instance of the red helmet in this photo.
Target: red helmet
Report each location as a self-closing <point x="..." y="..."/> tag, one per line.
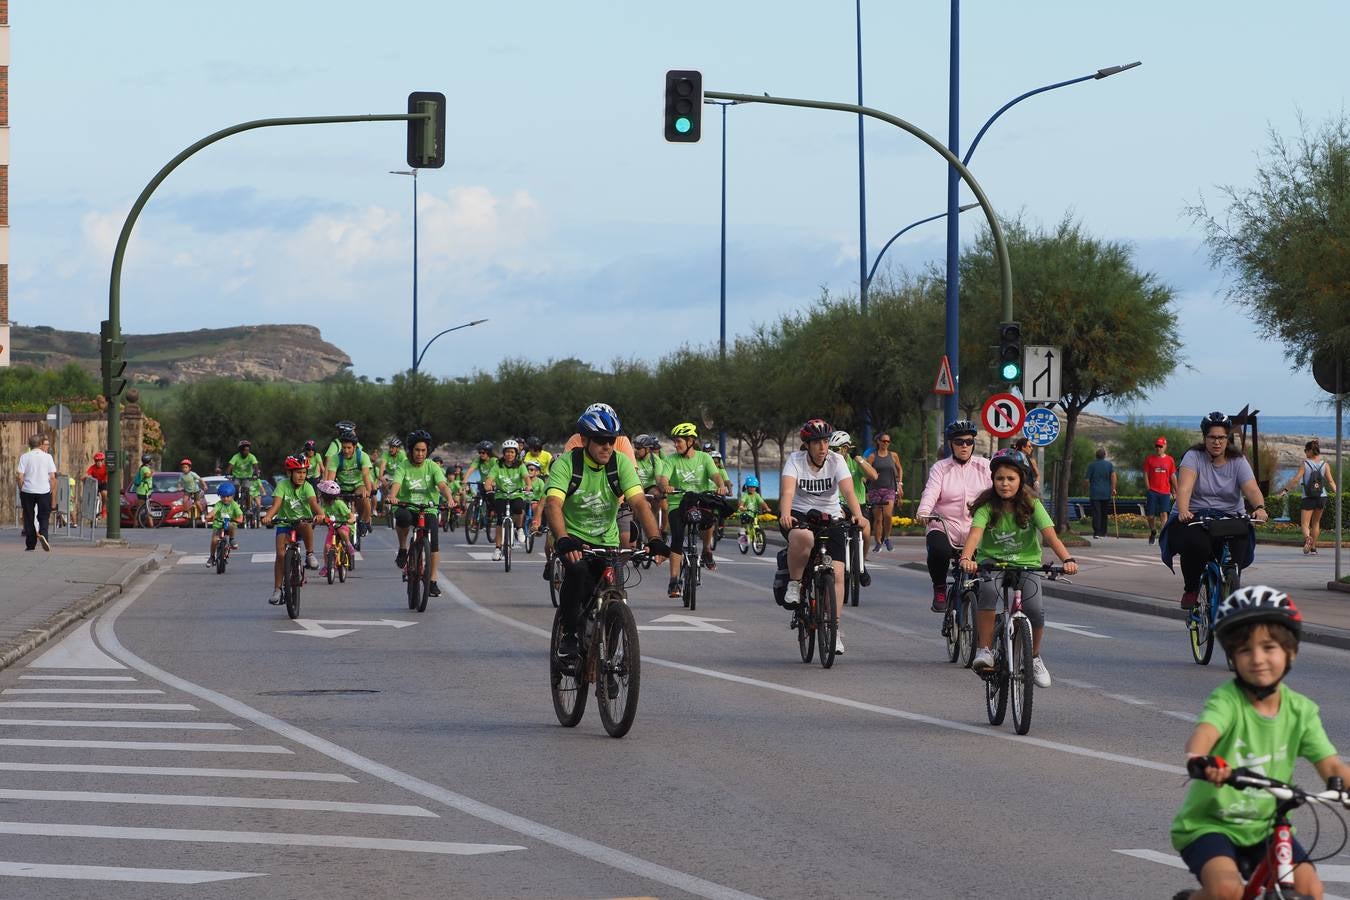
<point x="296" y="464"/>
<point x="99" y="455"/>
<point x="185" y="462"/>
<point x="816" y="429"/>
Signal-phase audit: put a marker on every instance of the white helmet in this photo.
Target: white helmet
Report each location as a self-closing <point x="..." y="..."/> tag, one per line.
<point x="511" y="444"/>
<point x="840" y="439"/>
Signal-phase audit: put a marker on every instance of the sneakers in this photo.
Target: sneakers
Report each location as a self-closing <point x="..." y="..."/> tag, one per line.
<point x="793" y="598"/>
<point x="876" y="548"/>
<point x="1040" y="674"/>
<point x="838" y="643"/>
<point x="673" y="589"/>
<point x="568" y="645"/>
<point x="708" y="562"/>
<point x="1152" y="536"/>
<point x="496" y="554"/>
<point x="887" y="543"/>
<point x="434" y="590"/>
<point x="612" y="686"/>
<point x="984" y="660"/>
<point x="275" y="599"/>
<point x="311" y="561"/>
<point x="323" y="571"/>
<point x="351" y="551"/>
<point x="1190" y="600"/>
<point x="865" y="578"/>
<point x="42" y="539"/>
<point x="743" y="542"/>
<point x="211" y="560"/>
<point x="401" y="557"/>
<point x="234" y="545"/>
<point x="939" y="604"/>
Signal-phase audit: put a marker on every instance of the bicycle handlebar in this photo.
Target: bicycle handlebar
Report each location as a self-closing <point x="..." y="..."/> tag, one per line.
<point x="1243" y="779"/>
<point x="990" y="566"/>
<point x="617" y="553"/>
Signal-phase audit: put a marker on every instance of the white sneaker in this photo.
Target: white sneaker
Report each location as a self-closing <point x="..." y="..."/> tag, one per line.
<point x="311" y="561"/>
<point x="838" y="643"/>
<point x="496" y="554"/>
<point x="984" y="660"/>
<point x="793" y="600"/>
<point x="275" y="599"/>
<point x="1040" y="673"/>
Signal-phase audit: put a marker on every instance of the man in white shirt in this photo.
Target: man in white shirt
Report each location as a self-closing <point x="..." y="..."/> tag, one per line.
<point x="36" y="476"/>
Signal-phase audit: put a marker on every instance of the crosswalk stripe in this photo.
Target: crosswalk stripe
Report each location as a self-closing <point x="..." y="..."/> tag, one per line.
<point x="102" y="723"/>
<point x="193" y="835"/>
<point x="177" y="771"/>
<point x="372" y="809"/>
<point x="76" y="678"/>
<point x="118" y="873"/>
<point x="60" y="704"/>
<point x="81" y="691"/>
<point x="147" y="745"/>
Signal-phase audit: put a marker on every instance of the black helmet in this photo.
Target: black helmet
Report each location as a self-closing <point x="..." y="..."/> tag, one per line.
<point x="1257" y="603"/>
<point x="146" y="458"/>
<point x="1014" y="458"/>
<point x="345" y="425"/>
<point x="310" y="445"/>
<point x="961" y="426"/>
<point x="420" y="435"/>
<point x="347" y="437"/>
<point x="245" y="444"/>
<point x="1216" y="418"/>
<point x="815" y="429"/>
<point x="484" y="445"/>
<point x="534" y="442"/>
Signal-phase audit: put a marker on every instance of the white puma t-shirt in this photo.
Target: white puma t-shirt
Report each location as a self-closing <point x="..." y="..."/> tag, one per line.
<point x="817" y="489"/>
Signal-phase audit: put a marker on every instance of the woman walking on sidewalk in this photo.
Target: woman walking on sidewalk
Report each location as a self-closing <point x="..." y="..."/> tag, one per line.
<point x="1315" y="475"/>
<point x="887" y="489"/>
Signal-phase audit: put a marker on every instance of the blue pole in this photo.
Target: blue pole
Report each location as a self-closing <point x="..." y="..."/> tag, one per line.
<point x="862" y="208"/>
<point x="722" y="338"/>
<point x="953" y="342"/>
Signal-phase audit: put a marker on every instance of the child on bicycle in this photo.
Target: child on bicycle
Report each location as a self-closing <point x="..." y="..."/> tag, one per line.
<point x="1007" y="525"/>
<point x="190" y="483"/>
<point x="1256" y="721"/>
<point x="339" y="516"/>
<point x="751" y="506"/>
<point x="223" y="517"/>
<point x="293" y="499"/>
<point x="419" y="482"/>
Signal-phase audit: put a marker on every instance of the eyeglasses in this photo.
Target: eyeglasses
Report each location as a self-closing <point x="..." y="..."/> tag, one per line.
<point x="884" y="441"/>
<point x="963" y="442"/>
<point x="1216" y="437"/>
<point x="607" y="441"/>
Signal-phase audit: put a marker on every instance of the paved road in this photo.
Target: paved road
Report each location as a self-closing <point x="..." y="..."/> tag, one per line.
<point x="426" y="760"/>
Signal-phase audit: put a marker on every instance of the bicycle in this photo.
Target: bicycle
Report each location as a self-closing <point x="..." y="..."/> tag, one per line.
<point x="1013" y="672"/>
<point x="752" y="536"/>
<point x="1273" y="877"/>
<point x="350" y="498"/>
<point x="145" y="515"/>
<point x="508" y="533"/>
<point x="814" y="619"/>
<point x="1220" y="578"/>
<point x="417" y="570"/>
<point x="854" y="564"/>
<point x="336" y="560"/>
<point x="958" y="622"/>
<point x="478" y="518"/>
<point x="223" y="546"/>
<point x="691" y="569"/>
<point x="196" y="513"/>
<point x="292" y="567"/>
<point x="609" y="654"/>
<point x="528" y="528"/>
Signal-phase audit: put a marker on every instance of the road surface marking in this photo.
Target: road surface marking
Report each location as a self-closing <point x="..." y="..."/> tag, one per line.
<point x="119" y="873"/>
<point x="78" y="651"/>
<point x="1183" y="716"/>
<point x="1126" y="698"/>
<point x="147" y="745"/>
<point x="686" y="623"/>
<point x="58" y="704"/>
<point x="80" y="691"/>
<point x="77" y="678"/>
<point x="481" y="555"/>
<point x="315" y="627"/>
<point x="193" y="835"/>
<point x="1080" y="630"/>
<point x="103" y="723"/>
<point x="177" y="771"/>
<point x="369" y="809"/>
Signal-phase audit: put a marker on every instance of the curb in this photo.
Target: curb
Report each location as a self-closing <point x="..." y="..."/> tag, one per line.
<point x="112" y="589"/>
<point x="1324" y="635"/>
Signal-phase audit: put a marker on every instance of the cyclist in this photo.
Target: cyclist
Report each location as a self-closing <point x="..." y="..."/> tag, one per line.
<point x="1254" y="720"/>
<point x="293" y="499"/>
<point x="1007" y="525"/>
<point x="650" y="468"/>
<point x="420" y="481"/>
<point x="145" y="484"/>
<point x="721" y="470"/>
<point x="314" y="470"/>
<point x="190" y="483"/>
<point x="535" y="452"/>
<point x="582" y="509"/>
<point x="335" y="445"/>
<point x="861" y="470"/>
<point x="535" y="496"/>
<point x="243" y="467"/>
<point x="509" y="482"/>
<point x="350" y="468"/>
<point x="383" y="468"/>
<point x="99" y="472"/>
<point x="953" y="484"/>
<point x="1213" y="478"/>
<point x="455" y="476"/>
<point x="339" y="516"/>
<point x="813" y="480"/>
<point x="687" y="470"/>
<point x="752" y="504"/>
<point x="226" y="508"/>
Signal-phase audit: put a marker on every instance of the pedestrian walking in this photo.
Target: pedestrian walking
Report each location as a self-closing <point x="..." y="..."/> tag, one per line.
<point x="888" y="488"/>
<point x="1160" y="482"/>
<point x="36" y="477"/>
<point x="1316" y="479"/>
<point x="1101" y="485"/>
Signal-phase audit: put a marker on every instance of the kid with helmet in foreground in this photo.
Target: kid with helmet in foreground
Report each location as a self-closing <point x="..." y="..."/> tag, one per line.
<point x="1256" y="721"/>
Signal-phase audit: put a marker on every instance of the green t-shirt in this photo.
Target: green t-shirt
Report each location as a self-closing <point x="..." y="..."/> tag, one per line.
<point x="418" y="484"/>
<point x="754" y="503"/>
<point x="540" y="487"/>
<point x="858" y="478"/>
<point x="294" y="501"/>
<point x="348" y="470"/>
<point x="650" y="470"/>
<point x="223" y="508"/>
<point x="147" y="485"/>
<point x="591" y="514"/>
<point x="1247" y="738"/>
<point x="509" y="481"/>
<point x="190" y="482"/>
<point x="1004" y="542"/>
<point x="243" y="466"/>
<point x="315" y="469"/>
<point x="484" y="467"/>
<point x="456" y="486"/>
<point x="338" y="511"/>
<point x="392" y="463"/>
<point x="689" y="474"/>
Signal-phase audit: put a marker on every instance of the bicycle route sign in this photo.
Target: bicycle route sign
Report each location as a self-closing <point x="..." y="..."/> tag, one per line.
<point x="1041" y="426"/>
<point x="1002" y="415"/>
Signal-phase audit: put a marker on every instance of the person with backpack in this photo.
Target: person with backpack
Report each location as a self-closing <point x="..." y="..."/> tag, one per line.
<point x="1315" y="477"/>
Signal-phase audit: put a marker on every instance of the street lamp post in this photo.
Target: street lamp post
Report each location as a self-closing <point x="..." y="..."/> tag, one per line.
<point x="415" y="356"/>
<point x="417" y="360"/>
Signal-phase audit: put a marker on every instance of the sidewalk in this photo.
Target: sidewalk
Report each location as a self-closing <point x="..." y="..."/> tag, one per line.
<point x="41" y="593"/>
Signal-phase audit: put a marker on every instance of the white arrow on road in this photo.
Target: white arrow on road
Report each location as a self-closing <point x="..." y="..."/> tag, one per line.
<point x="688" y="623"/>
<point x="315" y="627"/>
<point x="1081" y="630"/>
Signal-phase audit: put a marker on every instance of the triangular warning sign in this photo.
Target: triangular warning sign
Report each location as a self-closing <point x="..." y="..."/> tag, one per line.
<point x="944" y="384"/>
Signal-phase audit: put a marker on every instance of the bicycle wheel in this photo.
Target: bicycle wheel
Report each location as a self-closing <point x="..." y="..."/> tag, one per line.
<point x="1022" y="675"/>
<point x="949" y="629"/>
<point x="565" y="681"/>
<point x="1200" y="622"/>
<point x="290" y="575"/>
<point x="222" y="554"/>
<point x="804" y="620"/>
<point x="555" y="577"/>
<point x="996" y="682"/>
<point x="743" y="544"/>
<point x="965" y="627"/>
<point x="689" y="574"/>
<point x="718" y="533"/>
<point x="508" y="538"/>
<point x="342" y="563"/>
<point x="529" y="540"/>
<point x="471" y="524"/>
<point x="827" y="623"/>
<point x="852" y="580"/>
<point x="412" y="573"/>
<point x="424" y="573"/>
<point x="330" y="564"/>
<point x="757" y="542"/>
<point x="620" y="667"/>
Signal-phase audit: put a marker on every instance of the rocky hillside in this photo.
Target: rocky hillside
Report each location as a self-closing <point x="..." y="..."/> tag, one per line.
<point x="266" y="352"/>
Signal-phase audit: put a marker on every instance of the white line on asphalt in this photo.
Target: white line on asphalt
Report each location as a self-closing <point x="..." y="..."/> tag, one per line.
<point x="1338" y="874"/>
<point x="877" y="623"/>
<point x="102" y="723"/>
<point x="588" y="849"/>
<point x="76" y="651"/>
<point x="77" y="678"/>
<point x="1184" y="716"/>
<point x="80" y="691"/>
<point x="368" y="809"/>
<point x="148" y="745"/>
<point x="1133" y="701"/>
<point x="118" y="873"/>
<point x="464" y="600"/>
<point x="1080" y="630"/>
<point x="178" y="772"/>
<point x="193" y="835"/>
<point x="59" y="704"/>
<point x="1125" y="560"/>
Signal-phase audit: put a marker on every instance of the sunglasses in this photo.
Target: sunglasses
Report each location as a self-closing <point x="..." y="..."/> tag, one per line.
<point x="1216" y="437"/>
<point x="884" y="441"/>
<point x="605" y="441"/>
<point x="963" y="442"/>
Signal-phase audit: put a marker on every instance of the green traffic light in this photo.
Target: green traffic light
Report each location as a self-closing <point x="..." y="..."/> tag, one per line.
<point x="682" y="124"/>
<point x="1011" y="371"/>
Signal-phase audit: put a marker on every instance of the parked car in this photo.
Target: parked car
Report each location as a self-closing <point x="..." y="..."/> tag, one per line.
<point x="167" y="506"/>
<point x="211" y="488"/>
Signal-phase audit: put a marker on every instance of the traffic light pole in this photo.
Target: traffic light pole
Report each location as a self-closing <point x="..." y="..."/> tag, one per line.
<point x="115" y="282"/>
<point x="1000" y="246"/>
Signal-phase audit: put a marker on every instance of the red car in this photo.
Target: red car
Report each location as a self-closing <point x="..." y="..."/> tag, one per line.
<point x="168" y="505"/>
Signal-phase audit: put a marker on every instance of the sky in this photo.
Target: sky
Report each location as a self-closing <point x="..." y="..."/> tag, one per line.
<point x="564" y="218"/>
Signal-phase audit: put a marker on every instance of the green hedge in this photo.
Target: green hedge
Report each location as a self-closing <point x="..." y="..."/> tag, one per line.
<point x="1288" y="506"/>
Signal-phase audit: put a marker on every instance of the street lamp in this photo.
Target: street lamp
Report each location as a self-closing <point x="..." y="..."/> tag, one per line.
<point x="722" y="308"/>
<point x="873" y="271"/>
<point x="413" y="172"/>
<point x="417" y="360"/>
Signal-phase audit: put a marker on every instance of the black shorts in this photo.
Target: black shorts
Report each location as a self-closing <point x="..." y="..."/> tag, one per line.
<point x="499" y="505"/>
<point x="836" y="541"/>
<point x="678" y="526"/>
<point x="1313" y="503"/>
<point x="403" y="518"/>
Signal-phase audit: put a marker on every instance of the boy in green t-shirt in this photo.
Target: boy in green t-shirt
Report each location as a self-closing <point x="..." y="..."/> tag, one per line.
<point x="1007" y="525"/>
<point x="292" y="501"/>
<point x="223" y="517"/>
<point x="1257" y="722"/>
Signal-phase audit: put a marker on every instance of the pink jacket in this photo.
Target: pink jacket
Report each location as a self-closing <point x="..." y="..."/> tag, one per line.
<point x="950" y="490"/>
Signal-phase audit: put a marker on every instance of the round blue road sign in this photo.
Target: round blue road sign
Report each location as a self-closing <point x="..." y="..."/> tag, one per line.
<point x="1041" y="426"/>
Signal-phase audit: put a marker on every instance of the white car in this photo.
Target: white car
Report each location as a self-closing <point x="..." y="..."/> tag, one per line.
<point x="212" y="485"/>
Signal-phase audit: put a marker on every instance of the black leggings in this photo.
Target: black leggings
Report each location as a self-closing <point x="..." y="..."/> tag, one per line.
<point x="1197" y="548"/>
<point x="579" y="580"/>
<point x="940" y="553"/>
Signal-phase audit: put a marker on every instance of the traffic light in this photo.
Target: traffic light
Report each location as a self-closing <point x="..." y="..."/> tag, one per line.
<point x="426" y="137"/>
<point x="113" y="365"/>
<point x="1010" y="352"/>
<point x="684" y="105"/>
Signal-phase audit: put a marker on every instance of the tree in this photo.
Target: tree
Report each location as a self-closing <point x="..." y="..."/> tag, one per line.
<point x="1286" y="241"/>
<point x="1114" y="324"/>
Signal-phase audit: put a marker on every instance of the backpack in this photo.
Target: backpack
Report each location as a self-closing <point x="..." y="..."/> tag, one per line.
<point x="579" y="471"/>
<point x="1312" y="487"/>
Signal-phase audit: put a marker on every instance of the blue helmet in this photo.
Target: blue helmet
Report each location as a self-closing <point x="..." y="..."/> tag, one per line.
<point x="751" y="481"/>
<point x="225" y="491"/>
<point x="599" y="421"/>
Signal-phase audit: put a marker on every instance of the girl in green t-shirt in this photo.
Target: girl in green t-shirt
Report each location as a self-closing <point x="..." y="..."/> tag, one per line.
<point x="1007" y="525"/>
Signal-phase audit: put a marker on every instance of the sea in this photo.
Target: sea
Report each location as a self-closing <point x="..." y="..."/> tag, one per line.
<point x="1301" y="426"/>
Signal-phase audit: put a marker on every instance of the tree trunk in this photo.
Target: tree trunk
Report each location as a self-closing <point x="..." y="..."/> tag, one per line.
<point x="1066" y="469"/>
